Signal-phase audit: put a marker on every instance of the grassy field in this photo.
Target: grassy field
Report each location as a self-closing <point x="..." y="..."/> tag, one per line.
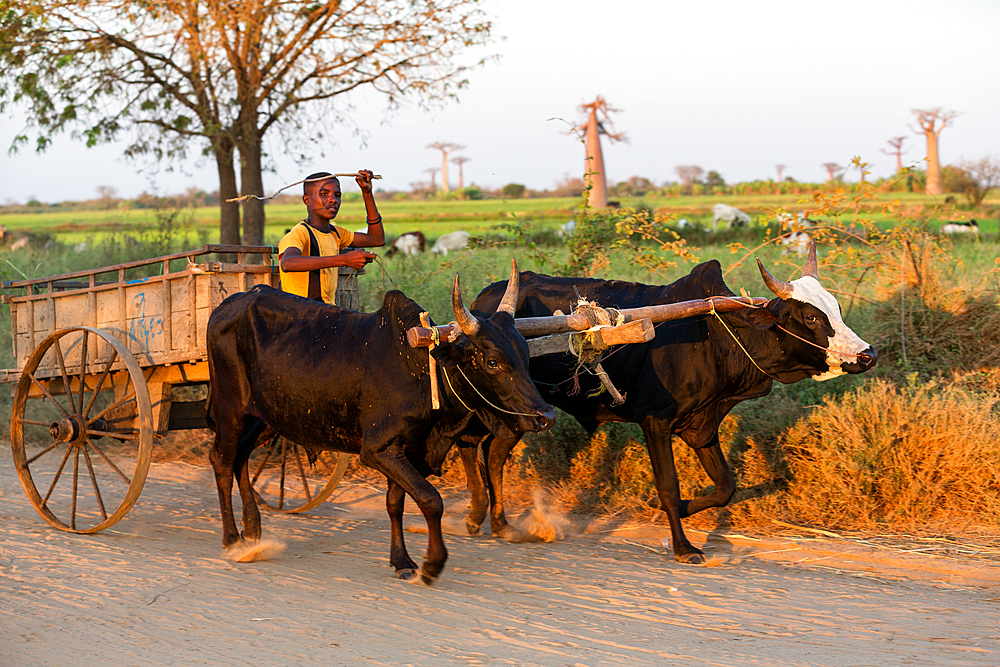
<point x="931" y="306"/>
<point x="436" y="217"/>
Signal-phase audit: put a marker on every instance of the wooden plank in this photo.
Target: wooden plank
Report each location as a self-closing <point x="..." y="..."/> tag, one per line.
<point x="640" y="331"/>
<point x="637" y="331"/>
<point x="159" y="397"/>
<point x="167" y="311"/>
<point x="554" y="344"/>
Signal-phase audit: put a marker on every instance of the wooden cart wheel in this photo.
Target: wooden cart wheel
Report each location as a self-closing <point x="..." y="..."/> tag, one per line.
<point x="83" y="447"/>
<point x="285" y="480"/>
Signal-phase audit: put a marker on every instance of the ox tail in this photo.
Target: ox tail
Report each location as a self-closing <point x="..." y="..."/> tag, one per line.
<point x="482" y="459"/>
<point x="208" y="409"/>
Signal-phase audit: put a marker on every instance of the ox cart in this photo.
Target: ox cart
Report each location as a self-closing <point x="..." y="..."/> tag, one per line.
<point x="114" y="359"/>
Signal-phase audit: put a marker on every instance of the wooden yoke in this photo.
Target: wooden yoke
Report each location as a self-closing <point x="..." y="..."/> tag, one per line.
<point x="533" y="327"/>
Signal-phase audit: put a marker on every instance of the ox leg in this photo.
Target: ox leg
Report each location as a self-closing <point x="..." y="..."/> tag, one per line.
<point x="715" y="464"/>
<point x="392" y="463"/>
<point x="398" y="556"/>
<point x="222" y="456"/>
<point x="475" y="476"/>
<point x="497" y="450"/>
<point x="661" y="456"/>
<point x="241" y="469"/>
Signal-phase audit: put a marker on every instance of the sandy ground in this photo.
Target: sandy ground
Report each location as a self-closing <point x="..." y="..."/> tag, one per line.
<point x="157" y="590"/>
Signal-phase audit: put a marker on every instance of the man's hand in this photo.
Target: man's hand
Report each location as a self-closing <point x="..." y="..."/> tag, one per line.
<point x="357" y="259"/>
<point x="364" y="180"/>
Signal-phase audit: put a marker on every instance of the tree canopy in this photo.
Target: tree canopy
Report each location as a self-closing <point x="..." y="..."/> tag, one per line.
<point x="213" y="76"/>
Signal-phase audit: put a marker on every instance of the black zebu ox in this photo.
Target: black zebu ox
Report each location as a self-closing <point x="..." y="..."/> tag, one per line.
<point x="683" y="382"/>
<point x="329" y="378"/>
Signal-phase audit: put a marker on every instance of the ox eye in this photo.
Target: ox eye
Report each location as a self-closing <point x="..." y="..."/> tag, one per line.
<point x="493" y="363"/>
<point x="811" y="319"/>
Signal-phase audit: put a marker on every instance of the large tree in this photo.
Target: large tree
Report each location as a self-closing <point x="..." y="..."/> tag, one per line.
<point x="931" y="122"/>
<point x="216" y="76"/>
<point x="598" y="122"/>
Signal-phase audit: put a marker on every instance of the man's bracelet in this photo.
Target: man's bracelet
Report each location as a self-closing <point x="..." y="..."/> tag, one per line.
<point x="375" y="222"/>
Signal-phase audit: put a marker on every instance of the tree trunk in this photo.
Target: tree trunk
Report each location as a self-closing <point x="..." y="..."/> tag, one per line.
<point x="594" y="165"/>
<point x="933" y="166"/>
<point x="229" y="212"/>
<point x="251" y="183"/>
<point x="445" y="187"/>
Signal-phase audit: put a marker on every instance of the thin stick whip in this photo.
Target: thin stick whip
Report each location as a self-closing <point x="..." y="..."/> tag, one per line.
<point x="304" y="180"/>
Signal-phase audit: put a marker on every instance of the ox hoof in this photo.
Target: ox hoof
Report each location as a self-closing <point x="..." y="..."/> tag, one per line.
<point x="406" y="573"/>
<point x="693" y="558"/>
<point x="473" y="527"/>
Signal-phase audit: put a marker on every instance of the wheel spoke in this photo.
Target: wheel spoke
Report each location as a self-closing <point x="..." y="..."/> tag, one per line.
<point x="114" y="434"/>
<point x="93" y="481"/>
<point x="49" y="396"/>
<point x="302" y="472"/>
<point x="284" y="459"/>
<point x="43" y="452"/>
<point x="76" y="479"/>
<point x="111" y="463"/>
<point x="267" y="457"/>
<point x="128" y="397"/>
<point x="100" y="382"/>
<point x="83" y="368"/>
<point x="65" y="375"/>
<point x="55" y="480"/>
<point x="36" y="423"/>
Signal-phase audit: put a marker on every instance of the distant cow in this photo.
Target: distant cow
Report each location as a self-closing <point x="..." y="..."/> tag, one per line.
<point x="732" y="216"/>
<point x="410" y="243"/>
<point x="333" y="379"/>
<point x="451" y="241"/>
<point x="683" y="382"/>
<point x="970" y="227"/>
<point x="796" y="240"/>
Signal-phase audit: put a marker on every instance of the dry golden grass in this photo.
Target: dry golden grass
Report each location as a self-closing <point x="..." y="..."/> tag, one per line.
<point x="908" y="459"/>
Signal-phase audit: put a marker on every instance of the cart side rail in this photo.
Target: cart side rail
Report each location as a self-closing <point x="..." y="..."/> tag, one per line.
<point x="64" y="280"/>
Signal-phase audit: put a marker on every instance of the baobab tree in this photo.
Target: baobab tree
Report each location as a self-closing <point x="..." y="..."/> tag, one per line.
<point x="897" y="150"/>
<point x="932" y="121"/>
<point x="445" y="148"/>
<point x="433" y="172"/>
<point x="781" y="170"/>
<point x="832" y="168"/>
<point x="598" y="123"/>
<point x="460" y="161"/>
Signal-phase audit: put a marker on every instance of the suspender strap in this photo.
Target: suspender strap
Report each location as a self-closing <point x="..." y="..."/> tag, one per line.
<point x="315" y="292"/>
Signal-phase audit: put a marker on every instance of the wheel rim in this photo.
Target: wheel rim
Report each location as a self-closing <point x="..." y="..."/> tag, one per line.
<point x="285" y="480"/>
<point x="82" y="448"/>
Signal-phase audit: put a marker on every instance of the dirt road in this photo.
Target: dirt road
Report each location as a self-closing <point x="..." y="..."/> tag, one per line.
<point x="157" y="590"/>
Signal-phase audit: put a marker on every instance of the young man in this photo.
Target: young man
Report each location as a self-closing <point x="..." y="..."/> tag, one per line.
<point x="309" y="254"/>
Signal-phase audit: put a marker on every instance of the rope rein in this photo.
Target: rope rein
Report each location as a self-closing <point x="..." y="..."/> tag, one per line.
<point x="290" y="185"/>
<point x="488" y="402"/>
<point x="738" y="341"/>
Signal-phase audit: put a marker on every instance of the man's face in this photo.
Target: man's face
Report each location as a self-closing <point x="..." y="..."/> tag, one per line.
<point x="323" y="201"/>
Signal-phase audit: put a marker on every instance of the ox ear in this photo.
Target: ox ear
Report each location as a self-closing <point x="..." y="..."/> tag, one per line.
<point x="762" y="318"/>
<point x="449" y="355"/>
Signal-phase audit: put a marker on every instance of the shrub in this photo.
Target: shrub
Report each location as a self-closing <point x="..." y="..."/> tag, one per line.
<point x="904" y="459"/>
<point x="513" y="190"/>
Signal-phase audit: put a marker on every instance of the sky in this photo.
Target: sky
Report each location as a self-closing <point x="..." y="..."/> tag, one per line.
<point x="736" y="87"/>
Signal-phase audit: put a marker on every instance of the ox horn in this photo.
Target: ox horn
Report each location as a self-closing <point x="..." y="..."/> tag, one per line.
<point x="508" y="304"/>
<point x="812" y="265"/>
<point x="779" y="287"/>
<point x="467" y="322"/>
